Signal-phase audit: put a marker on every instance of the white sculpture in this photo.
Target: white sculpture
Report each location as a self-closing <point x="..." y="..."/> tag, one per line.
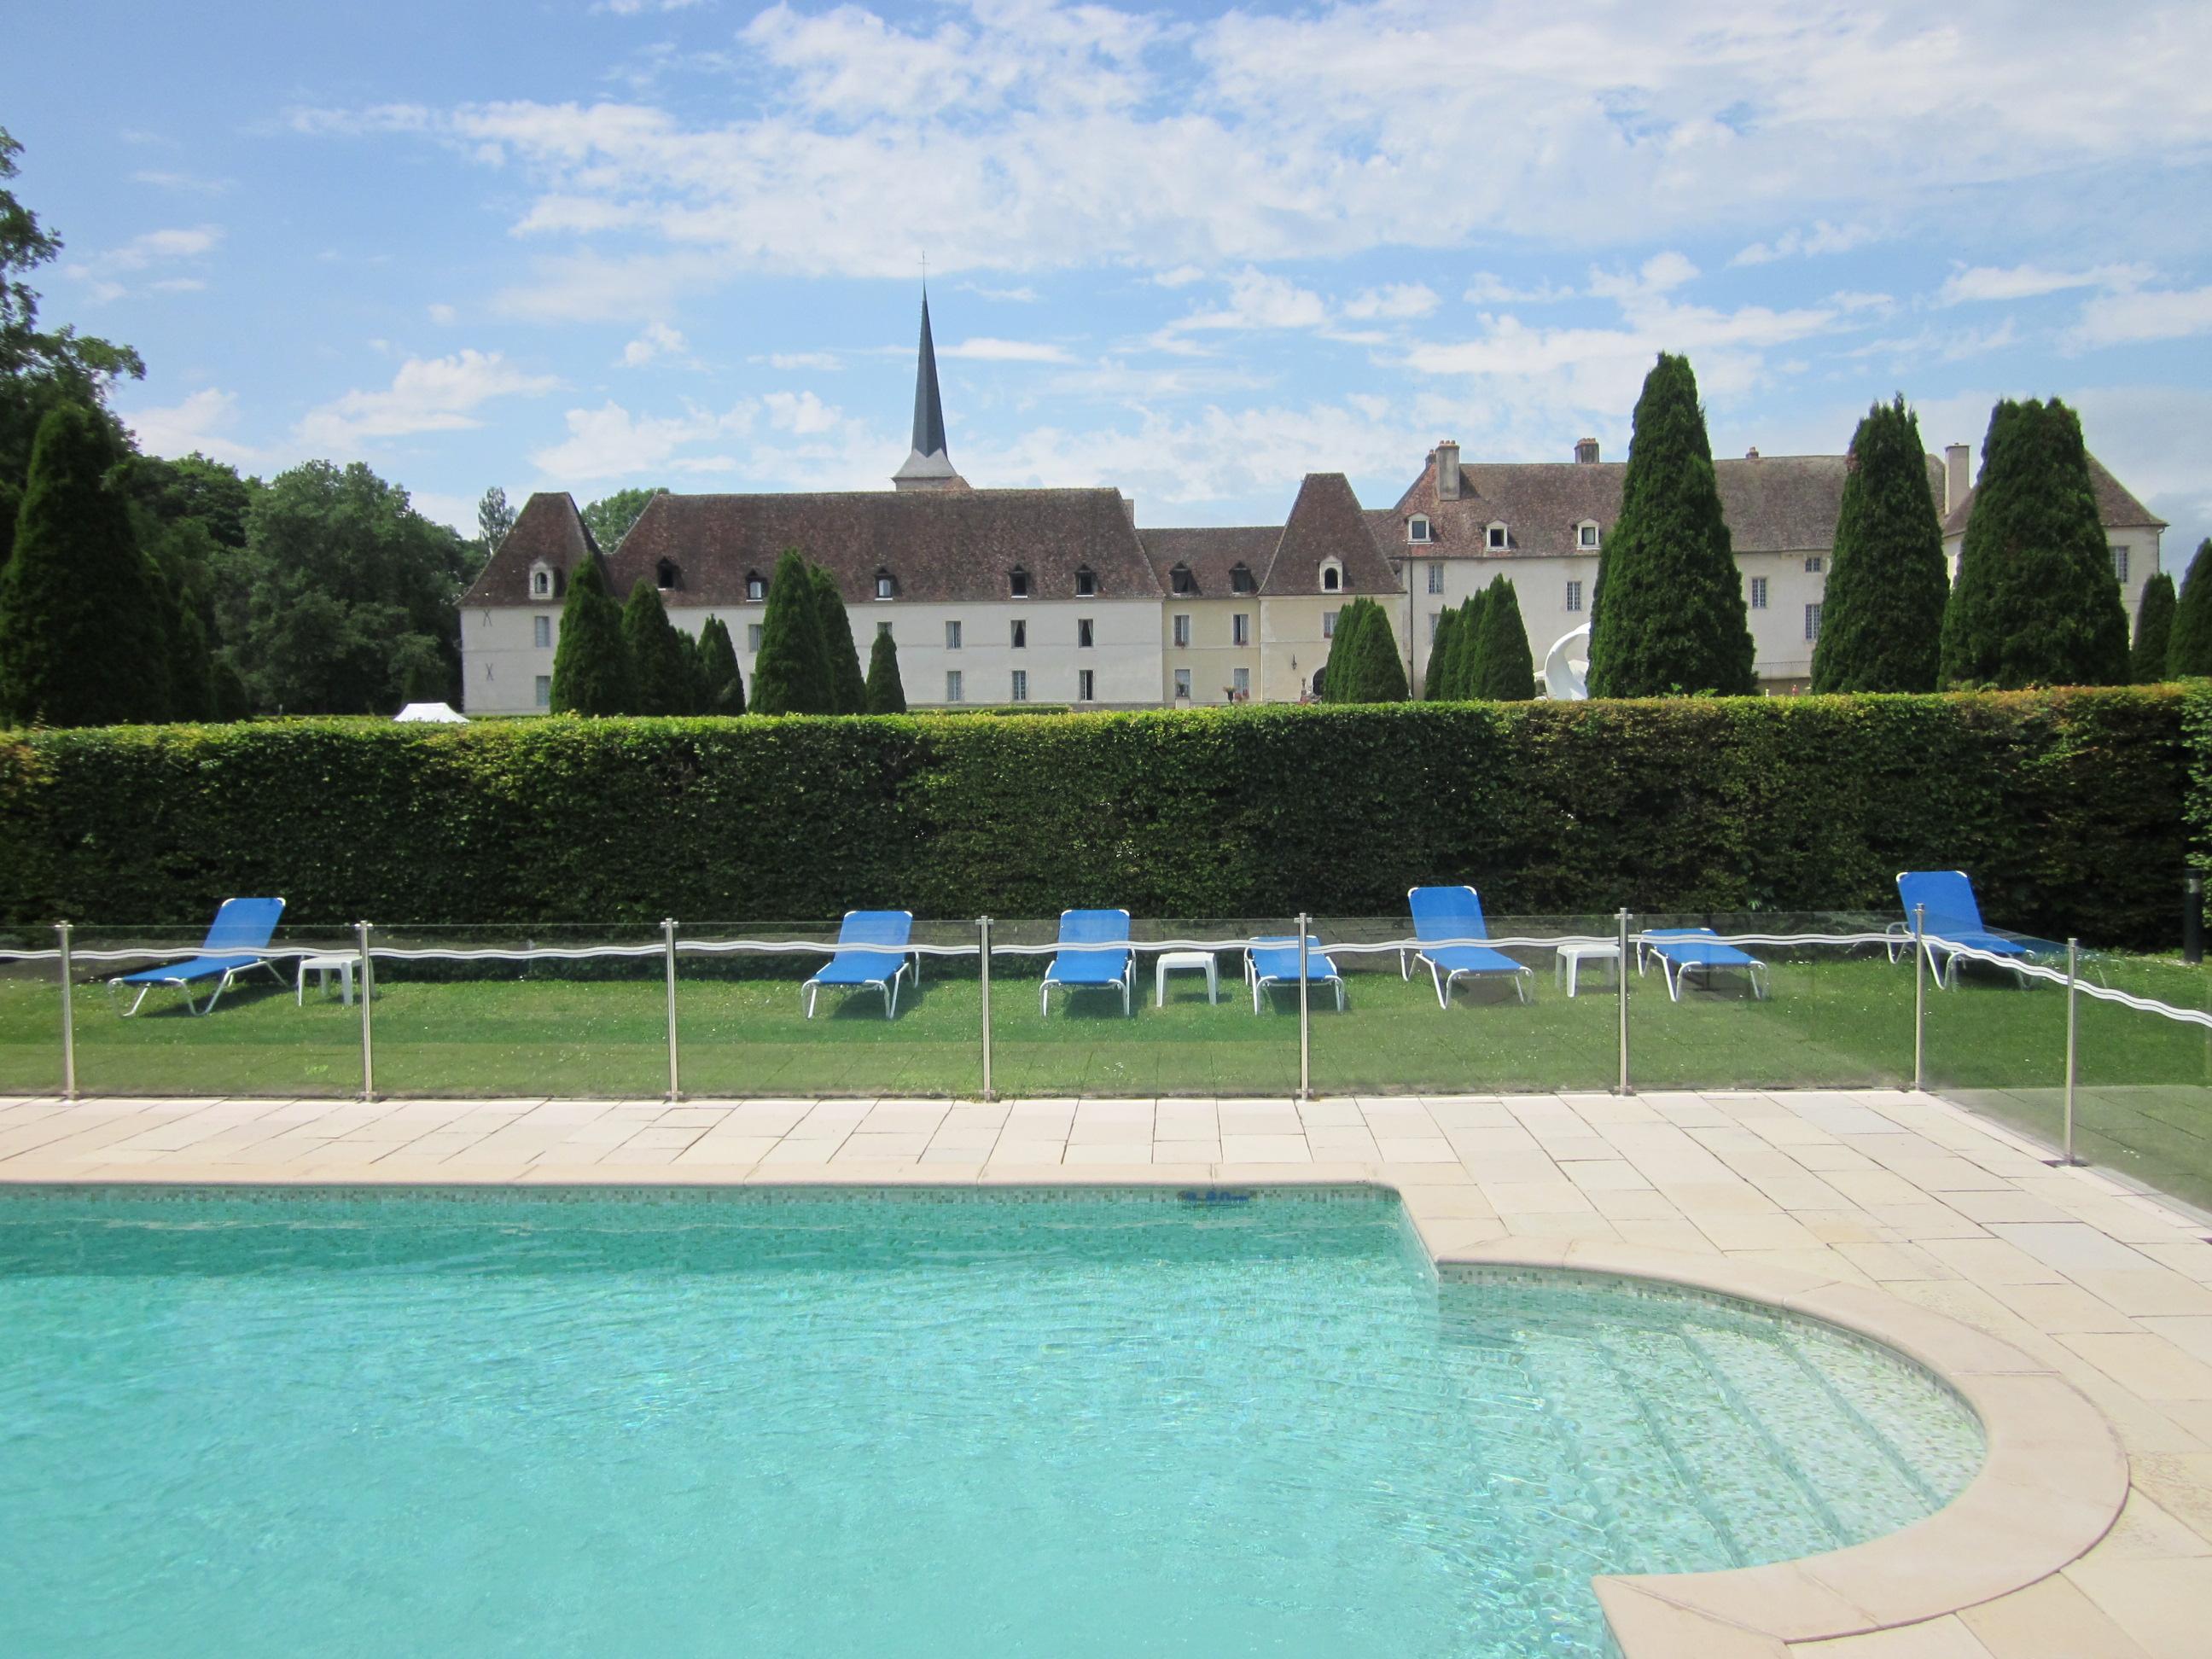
<point x="1566" y="667"/>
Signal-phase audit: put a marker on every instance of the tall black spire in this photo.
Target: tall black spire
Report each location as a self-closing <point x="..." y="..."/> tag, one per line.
<point x="928" y="466"/>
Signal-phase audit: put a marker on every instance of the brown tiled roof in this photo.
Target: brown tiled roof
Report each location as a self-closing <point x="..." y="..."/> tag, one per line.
<point x="952" y="546"/>
<point x="1328" y="521"/>
<point x="1212" y="555"/>
<point x="548" y="528"/>
<point x="1775" y="504"/>
<point x="2117" y="509"/>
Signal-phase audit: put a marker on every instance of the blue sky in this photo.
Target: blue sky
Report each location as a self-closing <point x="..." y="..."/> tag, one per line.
<point x="569" y="244"/>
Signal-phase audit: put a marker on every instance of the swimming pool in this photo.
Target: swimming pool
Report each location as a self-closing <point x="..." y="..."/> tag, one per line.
<point x="913" y="1422"/>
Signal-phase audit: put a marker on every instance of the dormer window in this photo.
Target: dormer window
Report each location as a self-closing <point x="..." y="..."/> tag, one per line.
<point x="1586" y="534"/>
<point x="756" y="585"/>
<point x="541" y="581"/>
<point x="1018" y="583"/>
<point x="1496" y="540"/>
<point x="666" y="575"/>
<point x="1240" y="580"/>
<point x="1086" y="584"/>
<point x="886" y="586"/>
<point x="1331" y="577"/>
<point x="1181" y="580"/>
<point x="1417" y="528"/>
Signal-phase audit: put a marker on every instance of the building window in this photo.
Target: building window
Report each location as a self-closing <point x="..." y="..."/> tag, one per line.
<point x="883" y="630"/>
<point x="1018" y="582"/>
<point x="1586" y="533"/>
<point x="541" y="631"/>
<point x="1020" y="687"/>
<point x="2120" y="564"/>
<point x="1759" y="593"/>
<point x="756" y="585"/>
<point x="1417" y="529"/>
<point x="1574" y="596"/>
<point x="1182" y="685"/>
<point x="1086" y="685"/>
<point x="544" y="691"/>
<point x="1085" y="583"/>
<point x="952" y="685"/>
<point x="1329" y="624"/>
<point x="1021" y="637"/>
<point x="1812" y="622"/>
<point x="1814" y="565"/>
<point x="952" y="636"/>
<point x="1183" y="628"/>
<point x="1240" y="684"/>
<point x="1331" y="577"/>
<point x="1436" y="578"/>
<point x="1240" y="628"/>
<point x="885" y="587"/>
<point x="541" y="583"/>
<point x="665" y="575"/>
<point x="1083" y="633"/>
<point x="1495" y="540"/>
<point x="1181" y="580"/>
<point x="1240" y="580"/>
<point x="753" y="638"/>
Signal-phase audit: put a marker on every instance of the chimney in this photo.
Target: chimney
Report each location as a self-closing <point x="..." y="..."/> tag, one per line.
<point x="1957" y="479"/>
<point x="1586" y="451"/>
<point x="1128" y="508"/>
<point x="1448" y="470"/>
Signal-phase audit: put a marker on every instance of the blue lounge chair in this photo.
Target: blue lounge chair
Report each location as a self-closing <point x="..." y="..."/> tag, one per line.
<point x="1274" y="961"/>
<point x="1951" y="919"/>
<point x="1683" y="950"/>
<point x="1449" y="913"/>
<point x="240" y="932"/>
<point x="871" y="951"/>
<point x="1092" y="969"/>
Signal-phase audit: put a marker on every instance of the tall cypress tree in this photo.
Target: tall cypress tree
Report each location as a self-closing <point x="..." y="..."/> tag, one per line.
<point x="1668" y="615"/>
<point x="1882" y="622"/>
<point x="886" y="692"/>
<point x="591" y="665"/>
<point x="1440" y="645"/>
<point x="1508" y="671"/>
<point x="1337" y="672"/>
<point x="191" y="684"/>
<point x="2035" y="603"/>
<point x="791" y="674"/>
<point x="1464" y="672"/>
<point x="2153" y="631"/>
<point x="83" y="639"/>
<point x="1372" y="670"/>
<point x="660" y="673"/>
<point x="847" y="684"/>
<point x="725" y="687"/>
<point x="2189" y="654"/>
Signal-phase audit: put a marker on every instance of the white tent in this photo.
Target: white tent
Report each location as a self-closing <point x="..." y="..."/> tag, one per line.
<point x="443" y="714"/>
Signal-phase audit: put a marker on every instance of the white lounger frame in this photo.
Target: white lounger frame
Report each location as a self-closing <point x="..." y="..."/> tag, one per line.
<point x="1673" y="973"/>
<point x="1523" y="978"/>
<point x="907" y="964"/>
<point x="1126" y="981"/>
<point x="115" y="987"/>
<point x="1258" y="984"/>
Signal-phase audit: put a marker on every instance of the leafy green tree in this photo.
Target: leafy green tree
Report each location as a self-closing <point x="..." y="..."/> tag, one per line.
<point x="193" y="489"/>
<point x="1464" y="672"/>
<point x="82" y="640"/>
<point x="2035" y="603"/>
<point x="232" y="702"/>
<point x="1667" y="616"/>
<point x="42" y="370"/>
<point x="792" y="673"/>
<point x="1440" y="646"/>
<point x="2189" y="654"/>
<point x="191" y="684"/>
<point x="2153" y="631"/>
<point x="495" y="517"/>
<point x="1882" y="622"/>
<point x="608" y="519"/>
<point x="886" y="692"/>
<point x="718" y="670"/>
<point x="847" y="683"/>
<point x="591" y="665"/>
<point x="660" y="676"/>
<point x="1507" y="672"/>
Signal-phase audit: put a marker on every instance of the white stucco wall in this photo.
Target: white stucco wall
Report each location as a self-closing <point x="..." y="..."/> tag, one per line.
<point x="499" y="664"/>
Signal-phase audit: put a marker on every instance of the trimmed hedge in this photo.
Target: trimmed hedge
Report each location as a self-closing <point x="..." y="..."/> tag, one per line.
<point x="2067" y="807"/>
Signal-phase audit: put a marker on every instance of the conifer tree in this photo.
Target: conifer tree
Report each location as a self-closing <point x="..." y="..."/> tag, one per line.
<point x="1440" y="645"/>
<point x="886" y="693"/>
<point x="791" y="673"/>
<point x="847" y="684"/>
<point x="228" y="692"/>
<point x="724" y="687"/>
<point x="2189" y="652"/>
<point x="2153" y="631"/>
<point x="1508" y="671"/>
<point x="1372" y="670"/>
<point x="191" y="685"/>
<point x="591" y="666"/>
<point x="1464" y="672"/>
<point x="83" y="639"/>
<point x="660" y="673"/>
<point x="1669" y="616"/>
<point x="1882" y="622"/>
<point x="2035" y="603"/>
<point x="1336" y="673"/>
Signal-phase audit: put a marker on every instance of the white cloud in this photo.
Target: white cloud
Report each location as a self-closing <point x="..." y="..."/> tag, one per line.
<point x="202" y="422"/>
<point x="1851" y="299"/>
<point x="434" y="394"/>
<point x="633" y="8"/>
<point x="983" y="349"/>
<point x="1181" y="276"/>
<point x="153" y="249"/>
<point x="1256" y="299"/>
<point x="177" y="285"/>
<point x="1024" y="296"/>
<point x="1992" y="283"/>
<point x="1487" y="287"/>
<point x="444" y="314"/>
<point x="1661" y="273"/>
<point x="791" y="360"/>
<point x="1395" y="301"/>
<point x="2127" y="318"/>
<point x="184" y="183"/>
<point x="801" y="412"/>
<point x="1820" y="238"/>
<point x="658" y="340"/>
<point x="1940" y="344"/>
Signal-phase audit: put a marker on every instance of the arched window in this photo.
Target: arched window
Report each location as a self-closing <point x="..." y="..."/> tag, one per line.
<point x="665" y="575"/>
<point x="756" y="585"/>
<point x="1181" y="580"/>
<point x="541" y="581"/>
<point x="1086" y="584"/>
<point x="886" y="585"/>
<point x="1417" y="528"/>
<point x="1018" y="582"/>
<point x="1331" y="577"/>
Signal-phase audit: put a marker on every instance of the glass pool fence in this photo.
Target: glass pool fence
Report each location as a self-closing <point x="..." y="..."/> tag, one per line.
<point x="2108" y="1060"/>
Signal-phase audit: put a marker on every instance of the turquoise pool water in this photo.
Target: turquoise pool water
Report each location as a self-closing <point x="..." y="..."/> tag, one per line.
<point x="771" y="1425"/>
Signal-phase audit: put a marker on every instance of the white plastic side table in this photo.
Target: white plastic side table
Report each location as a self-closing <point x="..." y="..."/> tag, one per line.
<point x="1571" y="957"/>
<point x="324" y="967"/>
<point x="1192" y="961"/>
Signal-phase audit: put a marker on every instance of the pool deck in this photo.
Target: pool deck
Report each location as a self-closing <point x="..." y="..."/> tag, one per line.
<point x="2076" y="1315"/>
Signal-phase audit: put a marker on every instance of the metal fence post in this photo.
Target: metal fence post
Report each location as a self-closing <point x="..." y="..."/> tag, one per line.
<point x="983" y="966"/>
<point x="2192" y="917"/>
<point x="668" y="955"/>
<point x="360" y="931"/>
<point x="1919" y="999"/>
<point x="68" y="1018"/>
<point x="1305" y="1016"/>
<point x="1620" y="984"/>
<point x="2073" y="978"/>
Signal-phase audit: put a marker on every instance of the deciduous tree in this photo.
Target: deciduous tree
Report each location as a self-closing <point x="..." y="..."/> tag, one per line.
<point x="608" y="519"/>
<point x="1881" y="621"/>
